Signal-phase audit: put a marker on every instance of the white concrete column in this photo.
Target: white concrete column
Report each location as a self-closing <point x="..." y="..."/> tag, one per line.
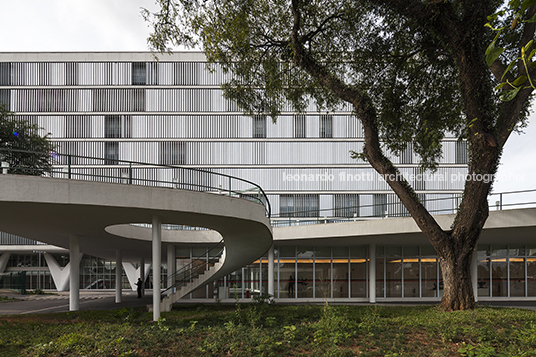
<point x="118" y="276"/>
<point x="372" y="273"/>
<point x="5" y="167"/>
<point x="142" y="276"/>
<point x="171" y="266"/>
<point x="157" y="263"/>
<point x="4" y="259"/>
<point x="271" y="272"/>
<point x="474" y="273"/>
<point x="74" y="281"/>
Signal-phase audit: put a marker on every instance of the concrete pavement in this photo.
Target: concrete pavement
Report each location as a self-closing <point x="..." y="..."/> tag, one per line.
<point x="59" y="302"/>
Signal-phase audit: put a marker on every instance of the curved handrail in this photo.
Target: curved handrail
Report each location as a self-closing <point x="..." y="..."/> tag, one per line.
<point x="64" y="166"/>
<point x="345" y="214"/>
<point x="188" y="272"/>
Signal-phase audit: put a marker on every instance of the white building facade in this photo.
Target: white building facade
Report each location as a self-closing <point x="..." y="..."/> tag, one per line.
<point x="132" y="107"/>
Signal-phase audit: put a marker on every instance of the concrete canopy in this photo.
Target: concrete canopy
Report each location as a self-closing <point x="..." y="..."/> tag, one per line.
<point x="50" y="210"/>
<point x="513" y="227"/>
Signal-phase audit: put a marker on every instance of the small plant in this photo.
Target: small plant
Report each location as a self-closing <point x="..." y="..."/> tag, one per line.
<point x="479" y="351"/>
<point x="263" y="299"/>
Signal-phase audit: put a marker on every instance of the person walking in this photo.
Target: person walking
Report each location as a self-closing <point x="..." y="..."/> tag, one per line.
<point x="140" y="285"/>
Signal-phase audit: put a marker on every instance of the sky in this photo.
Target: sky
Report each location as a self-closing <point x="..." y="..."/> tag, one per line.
<point x="117" y="25"/>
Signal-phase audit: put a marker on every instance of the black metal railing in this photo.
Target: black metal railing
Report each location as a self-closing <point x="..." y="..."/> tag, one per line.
<point x="81" y="167"/>
<point x="196" y="267"/>
<point x="394" y="209"/>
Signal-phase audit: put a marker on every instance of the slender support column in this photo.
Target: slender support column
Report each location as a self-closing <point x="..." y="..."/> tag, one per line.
<point x="142" y="275"/>
<point x="157" y="263"/>
<point x="4" y="259"/>
<point x="74" y="281"/>
<point x="474" y="274"/>
<point x="271" y="272"/>
<point x="5" y="167"/>
<point x="372" y="273"/>
<point x="171" y="266"/>
<point x="118" y="276"/>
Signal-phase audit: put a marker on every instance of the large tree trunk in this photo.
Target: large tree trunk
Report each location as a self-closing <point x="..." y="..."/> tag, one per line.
<point x="486" y="133"/>
<point x="457" y="285"/>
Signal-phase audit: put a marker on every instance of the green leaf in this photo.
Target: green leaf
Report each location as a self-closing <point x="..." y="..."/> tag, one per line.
<point x="508" y="95"/>
<point x="514" y="4"/>
<point x="495" y="15"/>
<point x="528" y="45"/>
<point x="520" y="80"/>
<point x="494" y="28"/>
<point x="510" y="66"/>
<point x="493" y="55"/>
<point x="492" y="52"/>
<point x="532" y="19"/>
<point x="500" y="85"/>
<point x="526" y="4"/>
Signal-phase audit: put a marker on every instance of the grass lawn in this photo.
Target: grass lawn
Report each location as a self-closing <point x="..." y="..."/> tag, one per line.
<point x="273" y="330"/>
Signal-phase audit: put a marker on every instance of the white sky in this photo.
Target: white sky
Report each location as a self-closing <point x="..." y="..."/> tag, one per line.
<point x="116" y="25"/>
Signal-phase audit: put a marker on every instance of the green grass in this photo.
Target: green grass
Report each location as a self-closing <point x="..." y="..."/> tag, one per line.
<point x="273" y="330"/>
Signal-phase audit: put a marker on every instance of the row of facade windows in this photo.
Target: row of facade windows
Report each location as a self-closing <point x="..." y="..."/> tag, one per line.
<point x="109" y="73"/>
<point x="235" y="153"/>
<point x="128" y="100"/>
<point x="210" y="126"/>
<point x="325" y="272"/>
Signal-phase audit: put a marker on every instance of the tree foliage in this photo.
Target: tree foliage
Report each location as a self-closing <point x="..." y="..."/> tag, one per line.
<point x="520" y="68"/>
<point x="410" y="70"/>
<point x="21" y="146"/>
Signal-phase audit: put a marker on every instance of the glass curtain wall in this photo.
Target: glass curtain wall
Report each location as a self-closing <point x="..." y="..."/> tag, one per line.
<point x="321" y="272"/>
<point x="506" y="271"/>
<point x="407" y="272"/>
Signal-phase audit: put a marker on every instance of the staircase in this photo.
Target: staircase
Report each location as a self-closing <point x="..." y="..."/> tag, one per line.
<point x="191" y="277"/>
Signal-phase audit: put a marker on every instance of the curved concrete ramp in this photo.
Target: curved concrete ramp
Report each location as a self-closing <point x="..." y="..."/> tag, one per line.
<point x="51" y="210"/>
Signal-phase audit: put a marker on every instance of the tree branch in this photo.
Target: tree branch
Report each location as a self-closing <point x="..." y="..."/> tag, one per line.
<point x="367" y="114"/>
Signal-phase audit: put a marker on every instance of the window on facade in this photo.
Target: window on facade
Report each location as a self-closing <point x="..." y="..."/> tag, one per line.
<point x="51" y="100"/>
<point x="152" y="73"/>
<point x="111" y="153"/>
<point x="406" y="155"/>
<point x="299" y="126"/>
<point x="420" y="182"/>
<point x="172" y="153"/>
<point x="138" y="100"/>
<point x="71" y="74"/>
<point x="461" y="152"/>
<point x="117" y="126"/>
<point x="112" y="126"/>
<point x="326" y="126"/>
<point x="379" y="201"/>
<point x="259" y="126"/>
<point x="5" y="74"/>
<point x="187" y="73"/>
<point x="5" y="98"/>
<point x="44" y="70"/>
<point x="299" y="205"/>
<point x="77" y="126"/>
<point x="346" y="205"/>
<point x="139" y="73"/>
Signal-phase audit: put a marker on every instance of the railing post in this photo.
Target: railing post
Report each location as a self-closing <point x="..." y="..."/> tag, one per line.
<point x="130" y="173"/>
<point x="68" y="166"/>
<point x="500" y="201"/>
<point x="229" y="186"/>
<point x="5" y="167"/>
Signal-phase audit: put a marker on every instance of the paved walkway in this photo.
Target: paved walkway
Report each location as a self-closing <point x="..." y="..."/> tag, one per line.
<point x="105" y="300"/>
<point x="59" y="302"/>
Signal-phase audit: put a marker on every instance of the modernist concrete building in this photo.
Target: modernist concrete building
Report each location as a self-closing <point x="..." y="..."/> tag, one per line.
<point x="131" y="107"/>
